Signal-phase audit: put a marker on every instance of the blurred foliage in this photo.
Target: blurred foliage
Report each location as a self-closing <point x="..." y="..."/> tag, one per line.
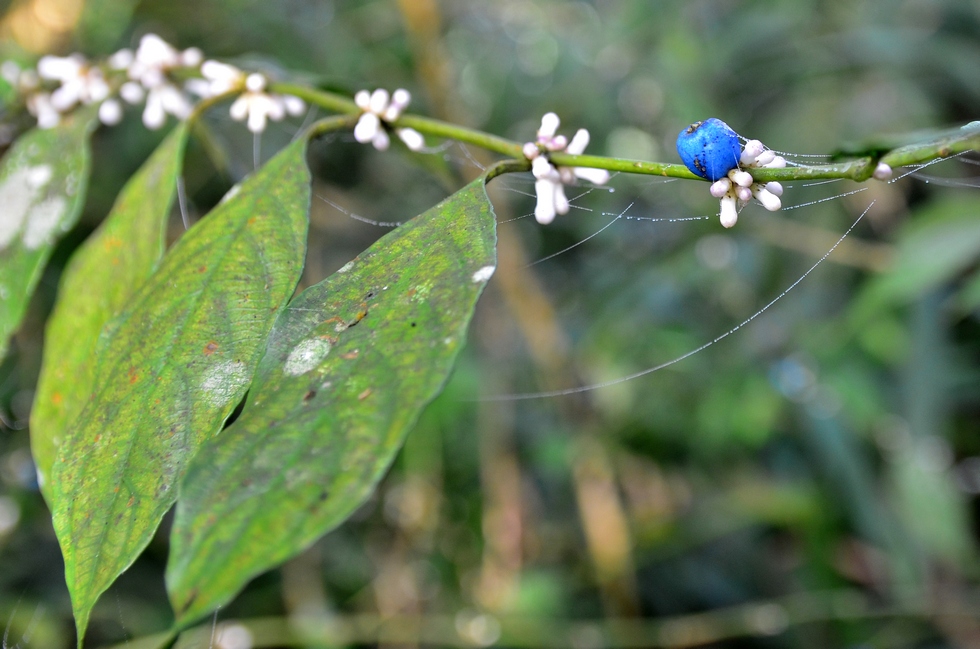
<point x="818" y="469"/>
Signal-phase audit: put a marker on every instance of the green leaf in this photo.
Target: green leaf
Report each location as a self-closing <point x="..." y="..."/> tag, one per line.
<point x="171" y="368"/>
<point x="100" y="279"/>
<point x="349" y="367"/>
<point x="42" y="190"/>
<point x="938" y="244"/>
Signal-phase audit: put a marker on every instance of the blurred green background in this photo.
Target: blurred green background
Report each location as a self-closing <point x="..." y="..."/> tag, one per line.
<point x="809" y="481"/>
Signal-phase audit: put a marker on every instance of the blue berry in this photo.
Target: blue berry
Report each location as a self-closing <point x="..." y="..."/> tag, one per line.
<point x="709" y="149"/>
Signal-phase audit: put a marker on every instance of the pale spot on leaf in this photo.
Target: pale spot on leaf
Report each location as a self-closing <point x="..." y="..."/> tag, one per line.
<point x="16" y="197"/>
<point x="306" y="356"/>
<point x="484" y="274"/>
<point x="43" y="221"/>
<point x="224" y="381"/>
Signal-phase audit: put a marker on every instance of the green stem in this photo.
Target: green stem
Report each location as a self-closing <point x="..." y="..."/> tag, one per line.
<point x="861" y="169"/>
<point x="461" y="134"/>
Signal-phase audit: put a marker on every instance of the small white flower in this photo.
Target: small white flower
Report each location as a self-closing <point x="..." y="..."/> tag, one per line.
<point x="148" y="70"/>
<point x="162" y="99"/>
<point x="550" y="191"/>
<point x="882" y="172"/>
<point x="110" y="112"/>
<point x="550" y="180"/>
<point x="121" y="60"/>
<point x="80" y="83"/>
<point x="739" y="187"/>
<point x="380" y="108"/>
<point x="153" y="58"/>
<point x="258" y="106"/>
<point x="39" y="105"/>
<point x="219" y="78"/>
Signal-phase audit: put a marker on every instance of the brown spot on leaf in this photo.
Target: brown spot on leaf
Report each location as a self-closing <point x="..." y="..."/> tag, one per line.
<point x="350" y="355"/>
<point x="210" y="348"/>
<point x="202" y="269"/>
<point x="364" y="395"/>
<point x="309" y="395"/>
<point x="56" y="398"/>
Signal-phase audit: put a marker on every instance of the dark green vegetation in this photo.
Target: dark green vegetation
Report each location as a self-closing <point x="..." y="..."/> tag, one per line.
<point x="812" y="476"/>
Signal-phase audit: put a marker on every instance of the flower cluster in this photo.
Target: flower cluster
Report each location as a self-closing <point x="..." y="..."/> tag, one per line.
<point x="550" y="180"/>
<point x="77" y="81"/>
<point x="379" y="108"/>
<point x="157" y="75"/>
<point x="738" y="187"/>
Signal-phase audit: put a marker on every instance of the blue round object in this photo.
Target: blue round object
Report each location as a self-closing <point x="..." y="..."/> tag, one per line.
<point x="709" y="149"/>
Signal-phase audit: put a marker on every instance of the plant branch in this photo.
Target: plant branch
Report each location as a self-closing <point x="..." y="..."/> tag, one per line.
<point x="964" y="139"/>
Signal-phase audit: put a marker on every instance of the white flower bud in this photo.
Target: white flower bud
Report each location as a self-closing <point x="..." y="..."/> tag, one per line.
<point x="255" y="82"/>
<point x="132" y="92"/>
<point x="294" y="105"/>
<point x="751" y="151"/>
<point x="379" y="101"/>
<point x="720" y="187"/>
<point x="544" y="209"/>
<point x="729" y="212"/>
<point x="174" y="101"/>
<point x="882" y="172"/>
<point x="362" y="99"/>
<point x="744" y="194"/>
<point x="154" y="115"/>
<point x="549" y="125"/>
<point x="153" y="51"/>
<point x="579" y="142"/>
<point x="367" y="128"/>
<point x="542" y="169"/>
<point x="121" y="59"/>
<point x="256" y="119"/>
<point x="381" y="140"/>
<point x="765" y="158"/>
<point x="110" y="112"/>
<point x="558" y="143"/>
<point x="775" y="188"/>
<point x="191" y="57"/>
<point x="769" y="200"/>
<point x="64" y="97"/>
<point x="530" y="150"/>
<point x="412" y="138"/>
<point x="561" y="201"/>
<point x="594" y="176"/>
<point x="740" y="178"/>
<point x="401" y="98"/>
<point x="59" y="68"/>
<point x="239" y="109"/>
<point x="779" y="162"/>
